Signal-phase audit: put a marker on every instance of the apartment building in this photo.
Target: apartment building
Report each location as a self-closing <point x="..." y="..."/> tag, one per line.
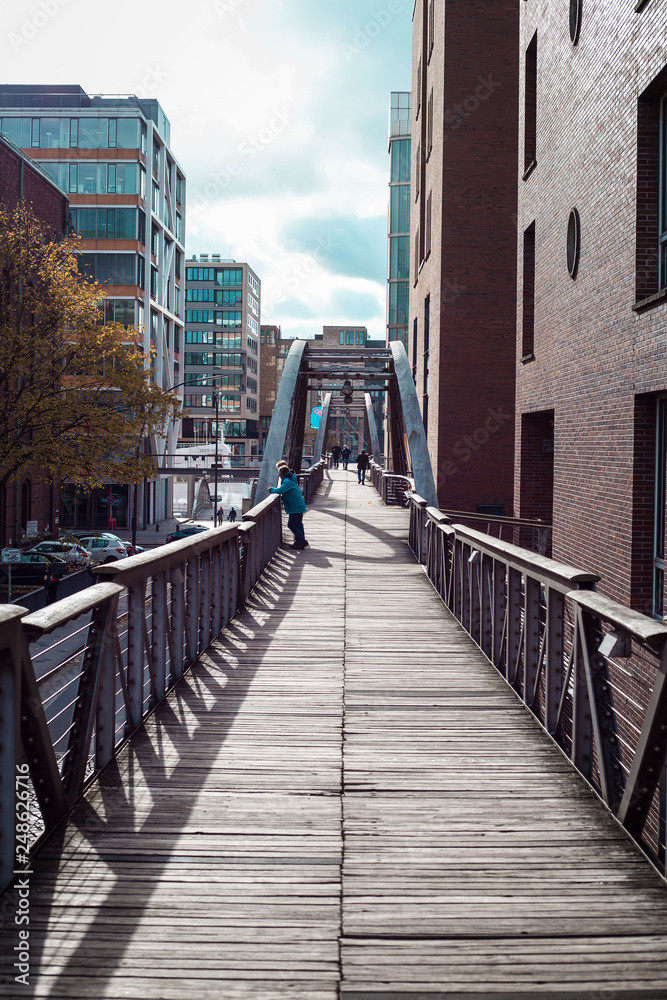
<point x="112" y="157"/>
<point x="462" y="308"/>
<point x="222" y="359"/>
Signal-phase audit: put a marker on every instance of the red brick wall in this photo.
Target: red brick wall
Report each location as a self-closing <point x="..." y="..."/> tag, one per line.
<point x="594" y="354"/>
<point x="48" y="202"/>
<point x="470" y="274"/>
<point x="50" y="205"/>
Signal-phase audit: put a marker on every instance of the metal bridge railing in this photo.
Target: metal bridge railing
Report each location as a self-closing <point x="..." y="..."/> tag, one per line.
<point x="593" y="672"/>
<point x="310" y="479"/>
<point x="392" y="488"/>
<point x="80" y="676"/>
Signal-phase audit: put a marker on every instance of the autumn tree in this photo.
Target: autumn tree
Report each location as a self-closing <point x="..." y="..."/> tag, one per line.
<point x="76" y="395"/>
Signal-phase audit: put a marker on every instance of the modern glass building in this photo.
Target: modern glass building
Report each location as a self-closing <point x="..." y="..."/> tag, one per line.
<point x="398" y="257"/>
<point x="222" y="319"/>
<point x="111" y="155"/>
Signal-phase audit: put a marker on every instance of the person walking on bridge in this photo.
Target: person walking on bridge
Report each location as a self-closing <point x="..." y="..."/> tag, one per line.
<point x="363" y="462"/>
<point x="345" y="455"/>
<point x="335" y="454"/>
<point x="293" y="503"/>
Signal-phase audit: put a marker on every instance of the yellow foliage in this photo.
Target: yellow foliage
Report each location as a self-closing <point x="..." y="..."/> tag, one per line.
<point x="76" y="397"/>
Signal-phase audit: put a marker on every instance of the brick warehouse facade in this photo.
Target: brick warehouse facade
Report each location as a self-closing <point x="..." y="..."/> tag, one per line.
<point x="32" y="497"/>
<point x="591" y="380"/>
<point x="463" y="244"/>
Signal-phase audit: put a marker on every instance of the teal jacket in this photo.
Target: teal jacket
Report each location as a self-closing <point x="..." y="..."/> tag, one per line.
<point x="293" y="501"/>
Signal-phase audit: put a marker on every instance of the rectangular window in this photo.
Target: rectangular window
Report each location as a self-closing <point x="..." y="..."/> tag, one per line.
<point x="141" y="272"/>
<point x="229" y="276"/>
<point x="110" y="268"/>
<point x="414" y="347"/>
<point x="427" y="238"/>
<point x="399" y="216"/>
<point x="400" y="161"/>
<point x="399" y="257"/>
<point x="419" y="89"/>
<point x="431" y="28"/>
<point x="417" y="261"/>
<point x="528" y="294"/>
<point x="418" y="171"/>
<point x="341" y="338"/>
<point x="73" y="133"/>
<point x="155" y="198"/>
<point x="530" y="106"/>
<point x="349" y="337"/>
<point x="154" y="282"/>
<point x="360" y="338"/>
<point x="429" y="125"/>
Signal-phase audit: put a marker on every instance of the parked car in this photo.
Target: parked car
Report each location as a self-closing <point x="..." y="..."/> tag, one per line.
<point x="73" y="553"/>
<point x="104" y="548"/>
<point x="109" y="534"/>
<point x="185" y="532"/>
<point x="35" y="565"/>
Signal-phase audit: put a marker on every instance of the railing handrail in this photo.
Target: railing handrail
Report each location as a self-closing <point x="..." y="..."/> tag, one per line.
<point x="556" y="573"/>
<point x="557" y="641"/>
<point x="515" y="522"/>
<point x="179" y="597"/>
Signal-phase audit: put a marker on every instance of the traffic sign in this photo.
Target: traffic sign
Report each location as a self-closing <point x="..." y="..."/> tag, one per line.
<point x="11" y="555"/>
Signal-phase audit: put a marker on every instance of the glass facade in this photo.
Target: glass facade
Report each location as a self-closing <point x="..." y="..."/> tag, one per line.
<point x="93" y="132"/>
<point x="91" y="177"/>
<point x="398" y="275"/>
<point x="105" y="223"/>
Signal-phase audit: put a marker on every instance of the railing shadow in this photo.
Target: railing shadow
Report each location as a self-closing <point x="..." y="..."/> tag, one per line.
<point x="112" y="808"/>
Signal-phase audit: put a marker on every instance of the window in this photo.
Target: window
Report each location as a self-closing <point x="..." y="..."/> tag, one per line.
<point x="418" y="173"/>
<point x="399" y="217"/>
<point x="253" y="304"/>
<point x="154" y="282"/>
<point x="179" y="189"/>
<point x="659" y="510"/>
<point x="155" y="240"/>
<point x="253" y="325"/>
<point x="419" y="89"/>
<point x="341" y="337"/>
<point x="141" y="272"/>
<point x="141" y="233"/>
<point x="663" y="195"/>
<point x="400" y="160"/>
<point x="200" y="316"/>
<point x="110" y="268"/>
<point x="429" y="125"/>
<point x="200" y="274"/>
<point x="427" y="237"/>
<point x="119" y="311"/>
<point x="431" y="28"/>
<point x="414" y="348"/>
<point x="251" y="404"/>
<point x="252" y="345"/>
<point x="229" y="276"/>
<point x="417" y="261"/>
<point x="349" y="338"/>
<point x="155" y="198"/>
<point x="360" y="338"/>
<point x="200" y="295"/>
<point x="530" y="107"/>
<point x="229" y="296"/>
<point x="254" y="284"/>
<point x="104" y="223"/>
<point x="528" y="294"/>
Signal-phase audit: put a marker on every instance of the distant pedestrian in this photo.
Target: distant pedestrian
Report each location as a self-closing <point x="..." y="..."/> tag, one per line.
<point x="363" y="462"/>
<point x="232" y="515"/>
<point x="51" y="583"/>
<point x="335" y="454"/>
<point x="220" y="516"/>
<point x="345" y="455"/>
<point x="293" y="503"/>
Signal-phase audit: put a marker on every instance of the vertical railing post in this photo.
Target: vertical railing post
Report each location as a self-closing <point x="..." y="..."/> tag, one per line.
<point x="135" y="651"/>
<point x="554" y="666"/>
<point x="498" y="608"/>
<point x="513" y="626"/>
<point x="582" y="729"/>
<point x="531" y="641"/>
<point x="105" y="722"/>
<point x="192" y="608"/>
<point x="159" y="636"/>
<point x="177" y="578"/>
<point x="486" y="612"/>
<point x="204" y="600"/>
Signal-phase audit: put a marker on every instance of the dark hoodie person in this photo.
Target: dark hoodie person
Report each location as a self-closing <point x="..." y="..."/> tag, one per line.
<point x="293" y="503"/>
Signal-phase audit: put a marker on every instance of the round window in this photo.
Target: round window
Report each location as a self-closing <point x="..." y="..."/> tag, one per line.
<point x="575" y="20"/>
<point x="573" y="242"/>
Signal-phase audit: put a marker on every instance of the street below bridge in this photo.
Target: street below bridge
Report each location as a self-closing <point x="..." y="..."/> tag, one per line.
<point x="342" y="799"/>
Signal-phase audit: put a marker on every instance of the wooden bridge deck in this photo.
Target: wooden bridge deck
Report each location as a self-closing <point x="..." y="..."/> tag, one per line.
<point x="342" y="799"/>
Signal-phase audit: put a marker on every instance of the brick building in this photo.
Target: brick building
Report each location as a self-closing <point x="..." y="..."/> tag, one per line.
<point x="462" y="311"/>
<point x="31" y="497"/>
<point x="591" y="420"/>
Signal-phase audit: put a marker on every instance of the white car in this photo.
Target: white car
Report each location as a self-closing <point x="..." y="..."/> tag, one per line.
<point x="74" y="554"/>
<point x="104" y="548"/>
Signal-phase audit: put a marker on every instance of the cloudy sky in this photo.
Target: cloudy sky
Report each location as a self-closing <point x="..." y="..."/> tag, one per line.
<point x="279" y="117"/>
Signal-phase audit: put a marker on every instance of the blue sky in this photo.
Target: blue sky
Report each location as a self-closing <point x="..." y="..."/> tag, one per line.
<point x="279" y="117"/>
